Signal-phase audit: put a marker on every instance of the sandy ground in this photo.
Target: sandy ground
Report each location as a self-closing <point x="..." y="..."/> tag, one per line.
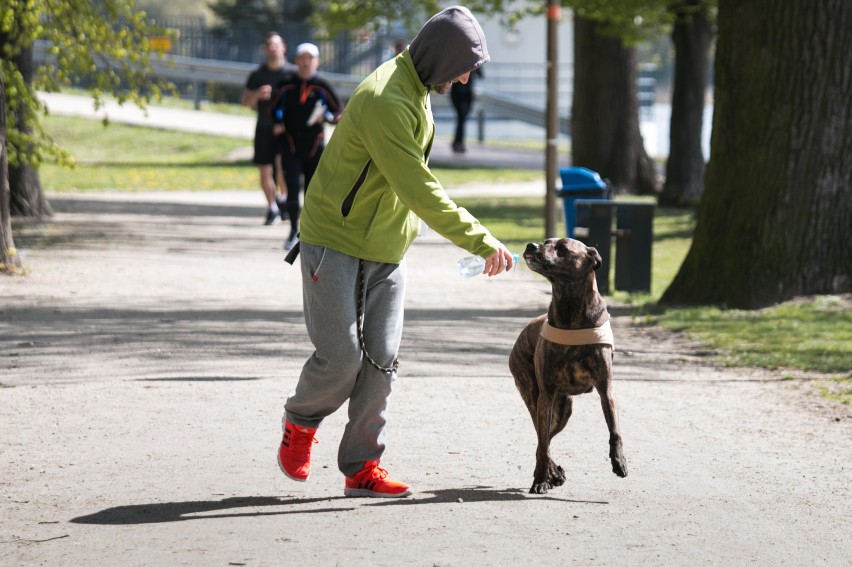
<point x="144" y="364"/>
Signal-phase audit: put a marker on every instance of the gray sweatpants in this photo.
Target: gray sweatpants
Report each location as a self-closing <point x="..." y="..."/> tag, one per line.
<point x="338" y="370"/>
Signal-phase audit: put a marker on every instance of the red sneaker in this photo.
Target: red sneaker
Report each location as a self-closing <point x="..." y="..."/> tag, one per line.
<point x="373" y="481"/>
<point x="294" y="454"/>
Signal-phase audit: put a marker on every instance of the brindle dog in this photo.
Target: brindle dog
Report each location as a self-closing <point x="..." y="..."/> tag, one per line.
<point x="548" y="374"/>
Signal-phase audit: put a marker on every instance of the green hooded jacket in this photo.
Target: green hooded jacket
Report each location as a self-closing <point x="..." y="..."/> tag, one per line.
<point x="373" y="183"/>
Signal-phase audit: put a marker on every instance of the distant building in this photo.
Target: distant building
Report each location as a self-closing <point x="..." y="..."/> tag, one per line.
<point x="519" y="59"/>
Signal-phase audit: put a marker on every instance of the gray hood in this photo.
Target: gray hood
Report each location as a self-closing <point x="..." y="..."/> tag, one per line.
<point x="450" y="44"/>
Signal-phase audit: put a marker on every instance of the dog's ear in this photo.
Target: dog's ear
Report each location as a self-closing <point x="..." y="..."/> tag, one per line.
<point x="596" y="258"/>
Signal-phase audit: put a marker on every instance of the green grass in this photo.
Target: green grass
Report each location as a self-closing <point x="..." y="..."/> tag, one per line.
<point x="133" y="158"/>
<point x="454" y="176"/>
<point x="813" y="334"/>
<point x="206" y="106"/>
<point x="513" y="220"/>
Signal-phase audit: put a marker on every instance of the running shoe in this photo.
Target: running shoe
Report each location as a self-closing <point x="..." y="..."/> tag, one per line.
<point x="374" y="482"/>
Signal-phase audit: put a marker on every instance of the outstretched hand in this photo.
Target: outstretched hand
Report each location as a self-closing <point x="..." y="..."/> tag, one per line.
<point x="498" y="262"/>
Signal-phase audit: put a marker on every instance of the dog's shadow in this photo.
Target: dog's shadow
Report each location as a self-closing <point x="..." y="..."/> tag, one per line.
<point x="161" y="512"/>
<point x="476" y="494"/>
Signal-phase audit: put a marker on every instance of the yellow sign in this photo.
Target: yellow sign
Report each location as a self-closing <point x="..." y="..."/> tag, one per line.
<point x="160" y="43"/>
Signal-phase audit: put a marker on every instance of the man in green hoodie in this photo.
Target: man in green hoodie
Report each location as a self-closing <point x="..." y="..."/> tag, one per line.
<point x="362" y="212"/>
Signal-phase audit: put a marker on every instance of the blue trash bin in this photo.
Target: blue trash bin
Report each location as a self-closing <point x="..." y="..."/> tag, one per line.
<point x="579" y="183"/>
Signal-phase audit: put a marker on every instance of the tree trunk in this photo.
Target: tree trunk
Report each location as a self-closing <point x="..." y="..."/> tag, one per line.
<point x="774" y="221"/>
<point x="10" y="262"/>
<point x="692" y="36"/>
<point x="605" y="134"/>
<point x="27" y="198"/>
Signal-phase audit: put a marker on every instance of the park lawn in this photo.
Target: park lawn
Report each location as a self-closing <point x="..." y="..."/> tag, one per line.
<point x="120" y="157"/>
<point x="813" y="334"/>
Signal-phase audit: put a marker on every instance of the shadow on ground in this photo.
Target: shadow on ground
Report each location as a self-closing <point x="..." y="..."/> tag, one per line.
<point x="230" y="507"/>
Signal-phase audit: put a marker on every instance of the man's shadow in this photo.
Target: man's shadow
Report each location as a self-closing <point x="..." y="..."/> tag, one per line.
<point x="229" y="507"/>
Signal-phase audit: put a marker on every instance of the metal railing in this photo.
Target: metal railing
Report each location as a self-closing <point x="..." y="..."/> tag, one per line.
<point x="491" y="104"/>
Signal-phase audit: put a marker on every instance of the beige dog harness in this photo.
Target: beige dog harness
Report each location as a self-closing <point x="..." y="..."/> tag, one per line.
<point x="575" y="337"/>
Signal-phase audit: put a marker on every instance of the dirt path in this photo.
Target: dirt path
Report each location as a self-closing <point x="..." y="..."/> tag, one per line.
<point x="145" y="360"/>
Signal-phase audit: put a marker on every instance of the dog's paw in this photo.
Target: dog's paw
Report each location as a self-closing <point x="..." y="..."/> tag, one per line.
<point x="616" y="457"/>
<point x="555" y="475"/>
<point x="540" y="487"/>
<point x="619" y="466"/>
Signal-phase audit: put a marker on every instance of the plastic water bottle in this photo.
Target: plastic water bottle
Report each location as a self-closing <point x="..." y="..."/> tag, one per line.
<point x="470" y="266"/>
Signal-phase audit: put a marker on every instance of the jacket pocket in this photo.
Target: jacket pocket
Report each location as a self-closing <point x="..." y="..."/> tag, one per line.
<point x="374" y="217"/>
<point x="346" y="207"/>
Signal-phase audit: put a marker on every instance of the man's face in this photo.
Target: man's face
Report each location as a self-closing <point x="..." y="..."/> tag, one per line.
<point x="445" y="88"/>
<point x="274" y="46"/>
<point x="307" y="64"/>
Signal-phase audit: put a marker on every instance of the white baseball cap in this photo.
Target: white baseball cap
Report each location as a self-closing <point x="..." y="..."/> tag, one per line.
<point x="307" y="48"/>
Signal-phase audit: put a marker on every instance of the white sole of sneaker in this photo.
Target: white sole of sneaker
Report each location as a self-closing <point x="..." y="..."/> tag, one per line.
<point x="280" y="466"/>
<point x="364" y="493"/>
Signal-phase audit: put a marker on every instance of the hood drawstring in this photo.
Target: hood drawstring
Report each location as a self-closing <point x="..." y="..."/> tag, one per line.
<point x="294" y="252"/>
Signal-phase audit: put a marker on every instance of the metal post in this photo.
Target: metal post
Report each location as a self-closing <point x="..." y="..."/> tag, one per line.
<point x="634" y="242"/>
<point x="480" y="123"/>
<point x="599" y="214"/>
<point x="554" y="13"/>
<point x="196" y="90"/>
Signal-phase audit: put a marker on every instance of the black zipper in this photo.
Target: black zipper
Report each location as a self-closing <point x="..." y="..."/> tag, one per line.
<point x="346" y="207"/>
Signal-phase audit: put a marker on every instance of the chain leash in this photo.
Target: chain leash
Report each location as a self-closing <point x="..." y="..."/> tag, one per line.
<point x="363" y="344"/>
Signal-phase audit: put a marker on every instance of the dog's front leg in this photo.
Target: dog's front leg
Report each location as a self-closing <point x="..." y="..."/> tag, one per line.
<point x="547" y="473"/>
<point x="616" y="452"/>
<point x="542" y="452"/>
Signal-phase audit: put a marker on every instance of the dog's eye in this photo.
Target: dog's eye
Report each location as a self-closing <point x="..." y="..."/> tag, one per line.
<point x="561" y="250"/>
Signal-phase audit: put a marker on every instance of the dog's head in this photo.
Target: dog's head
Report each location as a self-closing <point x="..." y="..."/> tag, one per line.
<point x="562" y="259"/>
